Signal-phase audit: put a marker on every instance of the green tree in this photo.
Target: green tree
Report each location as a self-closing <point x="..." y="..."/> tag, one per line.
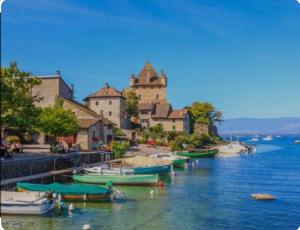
<point x="131" y="103"/>
<point x="57" y="121"/>
<point x="17" y="102"/>
<point x="206" y="113"/>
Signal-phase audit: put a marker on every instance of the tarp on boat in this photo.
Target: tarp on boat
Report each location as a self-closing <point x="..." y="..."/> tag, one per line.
<point x="70" y="189"/>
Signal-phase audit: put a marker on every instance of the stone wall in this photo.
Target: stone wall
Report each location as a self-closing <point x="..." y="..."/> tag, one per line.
<point x="149" y="94"/>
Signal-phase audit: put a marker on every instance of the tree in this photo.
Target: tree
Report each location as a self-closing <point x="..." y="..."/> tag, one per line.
<point x="203" y="112"/>
<point x="17" y="102"/>
<point x="131" y="103"/>
<point x="57" y="121"/>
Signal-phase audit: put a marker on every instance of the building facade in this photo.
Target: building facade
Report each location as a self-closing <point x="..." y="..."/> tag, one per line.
<point x="154" y="107"/>
<point x="92" y="126"/>
<point x="110" y="103"/>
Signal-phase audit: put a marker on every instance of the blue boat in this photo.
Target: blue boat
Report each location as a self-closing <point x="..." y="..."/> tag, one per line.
<point x="153" y="169"/>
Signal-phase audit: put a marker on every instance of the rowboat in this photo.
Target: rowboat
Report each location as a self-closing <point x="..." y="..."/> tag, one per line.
<point x="74" y="192"/>
<point x="153" y="169"/>
<point x="25" y="203"/>
<point x="198" y="153"/>
<point x="118" y="179"/>
<point x="177" y="161"/>
<point x="104" y="169"/>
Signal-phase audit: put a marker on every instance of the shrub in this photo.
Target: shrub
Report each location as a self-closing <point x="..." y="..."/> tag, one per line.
<point x="27" y="137"/>
<point x="119" y="148"/>
<point x="11" y="139"/>
<point x="118" y="132"/>
<point x="206" y="140"/>
<point x="160" y="143"/>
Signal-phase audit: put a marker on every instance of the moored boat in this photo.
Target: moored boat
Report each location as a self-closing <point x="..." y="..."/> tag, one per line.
<point x="25" y="203"/>
<point x="104" y="169"/>
<point x="268" y="138"/>
<point x="74" y="192"/>
<point x="177" y="161"/>
<point x="198" y="153"/>
<point x="149" y="179"/>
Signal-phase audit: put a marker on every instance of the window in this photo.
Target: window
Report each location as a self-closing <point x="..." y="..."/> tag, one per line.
<point x="110" y="113"/>
<point x="94" y="133"/>
<point x="97" y="102"/>
<point x="109" y="102"/>
<point x="173" y="120"/>
<point x="157" y="96"/>
<point x="174" y="127"/>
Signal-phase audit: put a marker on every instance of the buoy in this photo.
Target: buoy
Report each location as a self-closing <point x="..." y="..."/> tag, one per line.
<point x="71" y="207"/>
<point x="86" y="227"/>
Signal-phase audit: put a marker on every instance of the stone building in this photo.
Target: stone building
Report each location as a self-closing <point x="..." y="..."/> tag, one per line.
<point x="51" y="87"/>
<point x="92" y="125"/>
<point x="110" y="103"/>
<point x="154" y="107"/>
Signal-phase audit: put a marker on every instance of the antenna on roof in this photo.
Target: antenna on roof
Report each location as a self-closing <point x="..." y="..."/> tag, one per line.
<point x="58" y="72"/>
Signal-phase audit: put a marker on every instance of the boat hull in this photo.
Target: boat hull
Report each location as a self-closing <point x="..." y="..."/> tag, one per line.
<point x="156" y="169"/>
<point x="179" y="162"/>
<point x="74" y="192"/>
<point x="210" y="153"/>
<point x="118" y="179"/>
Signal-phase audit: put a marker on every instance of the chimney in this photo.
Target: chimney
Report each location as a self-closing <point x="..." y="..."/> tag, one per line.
<point x="58" y="72"/>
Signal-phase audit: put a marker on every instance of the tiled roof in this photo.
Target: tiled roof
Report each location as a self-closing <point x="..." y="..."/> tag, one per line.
<point x="86" y="123"/>
<point x="88" y="111"/>
<point x="178" y="114"/>
<point x="147" y="76"/>
<point x="106" y="91"/>
<point x="161" y="111"/>
<point x="145" y="107"/>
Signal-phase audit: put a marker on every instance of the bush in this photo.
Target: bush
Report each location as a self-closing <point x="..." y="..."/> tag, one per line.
<point x="206" y="140"/>
<point x="27" y="137"/>
<point x="160" y="143"/>
<point x="118" y="132"/>
<point x="119" y="148"/>
<point x="11" y="139"/>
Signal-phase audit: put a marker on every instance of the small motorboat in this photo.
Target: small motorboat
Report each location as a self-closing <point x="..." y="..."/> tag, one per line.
<point x="149" y="179"/>
<point x="106" y="170"/>
<point x="254" y="139"/>
<point x="198" y="153"/>
<point x="74" y="192"/>
<point x="233" y="148"/>
<point x="268" y="138"/>
<point x="297" y="142"/>
<point x="26" y="203"/>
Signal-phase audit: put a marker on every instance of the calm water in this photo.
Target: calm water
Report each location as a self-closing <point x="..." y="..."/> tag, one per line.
<point x="207" y="194"/>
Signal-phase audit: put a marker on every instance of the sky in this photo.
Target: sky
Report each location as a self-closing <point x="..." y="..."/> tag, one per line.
<point x="243" y="56"/>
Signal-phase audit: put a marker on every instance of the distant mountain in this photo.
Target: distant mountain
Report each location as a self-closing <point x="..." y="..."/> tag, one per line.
<point x="260" y="126"/>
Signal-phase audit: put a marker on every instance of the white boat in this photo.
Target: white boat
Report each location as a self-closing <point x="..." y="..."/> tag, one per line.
<point x="25" y="203"/>
<point x="254" y="139"/>
<point x="232" y="148"/>
<point x="268" y="138"/>
<point x="105" y="170"/>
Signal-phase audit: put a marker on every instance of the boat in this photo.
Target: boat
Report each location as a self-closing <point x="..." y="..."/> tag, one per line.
<point x="268" y="138"/>
<point x="297" y="141"/>
<point x="149" y="179"/>
<point x="74" y="192"/>
<point x="234" y="147"/>
<point x="254" y="139"/>
<point x="198" y="153"/>
<point x="177" y="161"/>
<point x="145" y="165"/>
<point x="106" y="170"/>
<point x="26" y="203"/>
<point x="263" y="196"/>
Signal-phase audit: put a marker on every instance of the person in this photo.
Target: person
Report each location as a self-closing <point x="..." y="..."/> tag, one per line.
<point x="3" y="149"/>
<point x="16" y="147"/>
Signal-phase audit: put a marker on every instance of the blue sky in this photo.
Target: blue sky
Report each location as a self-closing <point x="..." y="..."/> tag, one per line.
<point x="241" y="55"/>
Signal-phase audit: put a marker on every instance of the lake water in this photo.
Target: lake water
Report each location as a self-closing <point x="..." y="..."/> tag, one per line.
<point x="206" y="194"/>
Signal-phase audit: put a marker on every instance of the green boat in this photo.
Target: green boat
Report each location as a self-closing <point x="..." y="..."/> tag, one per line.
<point x="149" y="179"/>
<point x="198" y="153"/>
<point x="179" y="162"/>
<point x="74" y="192"/>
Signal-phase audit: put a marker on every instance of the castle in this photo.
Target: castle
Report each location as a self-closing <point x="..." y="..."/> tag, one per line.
<point x="154" y="107"/>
